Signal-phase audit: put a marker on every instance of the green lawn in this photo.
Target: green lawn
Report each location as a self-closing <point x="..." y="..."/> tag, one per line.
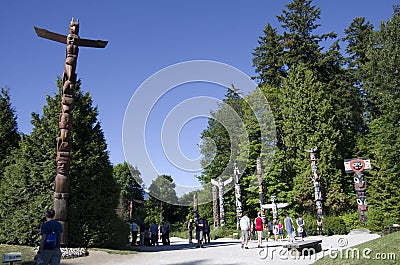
<point x="383" y="250"/>
<point x="28" y="253"/>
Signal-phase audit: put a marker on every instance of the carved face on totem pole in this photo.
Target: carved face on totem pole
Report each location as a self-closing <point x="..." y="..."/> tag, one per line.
<point x="360" y="188"/>
<point x="74" y="27"/>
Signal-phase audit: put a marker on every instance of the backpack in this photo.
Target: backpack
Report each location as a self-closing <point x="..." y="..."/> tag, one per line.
<point x="51" y="238"/>
<point x="50" y="242"/>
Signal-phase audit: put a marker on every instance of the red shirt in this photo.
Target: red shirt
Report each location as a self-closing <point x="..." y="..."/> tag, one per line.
<point x="259" y="224"/>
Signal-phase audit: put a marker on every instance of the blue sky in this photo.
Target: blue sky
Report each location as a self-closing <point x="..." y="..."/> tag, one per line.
<point x="144" y="37"/>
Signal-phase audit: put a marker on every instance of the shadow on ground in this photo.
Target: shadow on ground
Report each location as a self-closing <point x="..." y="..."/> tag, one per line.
<point x="182" y="246"/>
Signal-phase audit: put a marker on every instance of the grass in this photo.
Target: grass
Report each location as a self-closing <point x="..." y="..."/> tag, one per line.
<point x="383" y="250"/>
<point x="28" y="253"/>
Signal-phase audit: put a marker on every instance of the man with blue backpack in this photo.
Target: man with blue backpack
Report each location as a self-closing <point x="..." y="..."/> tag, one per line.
<point x="49" y="249"/>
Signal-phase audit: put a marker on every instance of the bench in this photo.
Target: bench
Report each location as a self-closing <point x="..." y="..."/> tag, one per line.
<point x="304" y="248"/>
<point x="391" y="229"/>
<point x="12" y="257"/>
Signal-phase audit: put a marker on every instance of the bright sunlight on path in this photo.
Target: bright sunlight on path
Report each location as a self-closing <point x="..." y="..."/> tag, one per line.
<point x="223" y="251"/>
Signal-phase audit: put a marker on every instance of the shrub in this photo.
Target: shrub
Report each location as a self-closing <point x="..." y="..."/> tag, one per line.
<point x="222" y="232"/>
<point x="334" y="225"/>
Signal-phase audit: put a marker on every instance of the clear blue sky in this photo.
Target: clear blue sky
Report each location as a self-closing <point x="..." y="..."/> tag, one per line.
<point x="144" y="37"/>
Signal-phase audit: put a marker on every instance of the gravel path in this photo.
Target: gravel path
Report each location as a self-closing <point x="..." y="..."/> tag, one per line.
<point x="223" y="251"/>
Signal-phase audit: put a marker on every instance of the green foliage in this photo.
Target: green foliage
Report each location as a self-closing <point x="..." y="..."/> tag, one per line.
<point x="9" y="136"/>
<point x="334" y="225"/>
<point x="27" y="189"/>
<point x="351" y="220"/>
<point x="222" y="232"/>
<point x="131" y="191"/>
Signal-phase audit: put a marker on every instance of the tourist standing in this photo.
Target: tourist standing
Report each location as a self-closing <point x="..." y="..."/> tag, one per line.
<point x="49" y="254"/>
<point x="190" y="230"/>
<point x="259" y="228"/>
<point x="142" y="232"/>
<point x="270" y="227"/>
<point x="289" y="227"/>
<point x="276" y="230"/>
<point x="199" y="222"/>
<point x="319" y="226"/>
<point x="280" y="227"/>
<point x="244" y="227"/>
<point x="165" y="233"/>
<point x="206" y="231"/>
<point x="154" y="234"/>
<point x="134" y="230"/>
<point x="300" y="227"/>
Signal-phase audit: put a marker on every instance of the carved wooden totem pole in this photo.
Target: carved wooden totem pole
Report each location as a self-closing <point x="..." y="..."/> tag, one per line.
<point x="316" y="181"/>
<point x="61" y="182"/>
<point x="260" y="189"/>
<point x="221" y="184"/>
<point x="215" y="207"/>
<point x="195" y="203"/>
<point x="358" y="166"/>
<point x="274" y="206"/>
<point x="238" y="196"/>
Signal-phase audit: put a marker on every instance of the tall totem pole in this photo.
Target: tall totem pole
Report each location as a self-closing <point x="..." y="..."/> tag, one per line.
<point x="221" y="184"/>
<point x="260" y="189"/>
<point x="358" y="166"/>
<point x="238" y="195"/>
<point x="61" y="182"/>
<point x="215" y="207"/>
<point x="316" y="180"/>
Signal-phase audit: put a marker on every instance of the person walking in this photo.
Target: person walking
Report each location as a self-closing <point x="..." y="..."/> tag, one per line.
<point x="49" y="254"/>
<point x="300" y="227"/>
<point x="259" y="228"/>
<point x="134" y="231"/>
<point x="244" y="227"/>
<point x="289" y="227"/>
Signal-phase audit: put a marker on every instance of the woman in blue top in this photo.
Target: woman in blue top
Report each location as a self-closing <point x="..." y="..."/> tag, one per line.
<point x="49" y="255"/>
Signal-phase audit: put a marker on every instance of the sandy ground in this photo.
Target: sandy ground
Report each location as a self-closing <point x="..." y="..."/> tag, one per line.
<point x="223" y="251"/>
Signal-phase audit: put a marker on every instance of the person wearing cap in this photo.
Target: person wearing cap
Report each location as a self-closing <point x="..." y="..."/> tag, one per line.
<point x="49" y="256"/>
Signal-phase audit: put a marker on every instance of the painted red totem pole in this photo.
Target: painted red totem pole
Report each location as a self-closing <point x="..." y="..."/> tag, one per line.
<point x="358" y="166"/>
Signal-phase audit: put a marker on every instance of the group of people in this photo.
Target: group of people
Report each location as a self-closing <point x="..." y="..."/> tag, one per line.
<point x="150" y="235"/>
<point x="202" y="229"/>
<point x="251" y="229"/>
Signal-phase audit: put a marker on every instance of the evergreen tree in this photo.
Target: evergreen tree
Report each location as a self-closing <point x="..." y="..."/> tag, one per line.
<point x="93" y="193"/>
<point x="162" y="204"/>
<point x="9" y="136"/>
<point x="381" y="83"/>
<point x="268" y="57"/>
<point x="131" y="189"/>
<point x="309" y="121"/>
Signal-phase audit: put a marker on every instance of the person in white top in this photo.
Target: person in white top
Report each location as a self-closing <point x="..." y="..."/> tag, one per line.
<point x="245" y="227"/>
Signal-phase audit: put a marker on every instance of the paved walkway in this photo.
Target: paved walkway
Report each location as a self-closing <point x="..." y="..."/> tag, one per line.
<point x="223" y="251"/>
